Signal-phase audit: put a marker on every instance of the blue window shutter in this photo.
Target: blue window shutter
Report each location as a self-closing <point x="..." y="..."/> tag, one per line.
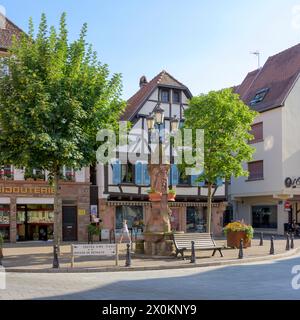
<point x="219" y="182"/>
<point x="146" y="176"/>
<point x="175" y="174"/>
<point x="195" y="183"/>
<point x="116" y="172"/>
<point x="138" y="173"/>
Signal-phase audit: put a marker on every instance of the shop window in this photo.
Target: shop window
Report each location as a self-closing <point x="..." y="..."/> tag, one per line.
<point x="264" y="217"/>
<point x="196" y="219"/>
<point x="133" y="215"/>
<point x="67" y="174"/>
<point x="6" y="172"/>
<point x="4" y="214"/>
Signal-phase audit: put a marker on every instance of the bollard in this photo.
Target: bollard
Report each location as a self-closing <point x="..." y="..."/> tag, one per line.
<point x="261" y="243"/>
<point x="272" y="251"/>
<point x="292" y="241"/>
<point x="55" y="257"/>
<point x="287" y="242"/>
<point x="241" y="253"/>
<point x="193" y="256"/>
<point x="128" y="256"/>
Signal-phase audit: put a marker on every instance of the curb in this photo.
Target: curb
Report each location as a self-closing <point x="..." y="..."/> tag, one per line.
<point x="289" y="253"/>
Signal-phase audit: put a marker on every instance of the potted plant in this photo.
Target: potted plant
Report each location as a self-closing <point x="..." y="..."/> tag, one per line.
<point x="93" y="232"/>
<point x="235" y="231"/>
<point x="171" y="194"/>
<point x="154" y="195"/>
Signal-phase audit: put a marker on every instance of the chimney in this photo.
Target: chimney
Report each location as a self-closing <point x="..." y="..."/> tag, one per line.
<point x="143" y="81"/>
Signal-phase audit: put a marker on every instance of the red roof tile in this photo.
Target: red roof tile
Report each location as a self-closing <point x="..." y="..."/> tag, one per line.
<point x="278" y="75"/>
<point x="6" y="34"/>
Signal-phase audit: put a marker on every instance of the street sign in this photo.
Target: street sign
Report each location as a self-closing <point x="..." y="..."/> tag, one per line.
<point x="95" y="250"/>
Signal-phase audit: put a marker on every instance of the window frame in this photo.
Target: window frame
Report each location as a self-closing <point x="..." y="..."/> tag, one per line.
<point x="161" y="95"/>
<point x="260" y="139"/>
<point x="179" y="96"/>
<point x="256" y="178"/>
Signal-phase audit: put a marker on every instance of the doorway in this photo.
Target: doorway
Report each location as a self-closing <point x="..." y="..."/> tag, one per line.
<point x="69" y="217"/>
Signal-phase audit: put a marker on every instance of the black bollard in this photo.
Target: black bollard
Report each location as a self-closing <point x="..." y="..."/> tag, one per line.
<point x="287" y="242"/>
<point x="292" y="242"/>
<point x="55" y="257"/>
<point x="193" y="255"/>
<point x="128" y="256"/>
<point x="272" y="251"/>
<point x="241" y="252"/>
<point x="261" y="243"/>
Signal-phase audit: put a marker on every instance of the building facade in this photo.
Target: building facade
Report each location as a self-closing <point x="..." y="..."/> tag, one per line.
<point x="269" y="198"/>
<point x="123" y="186"/>
<point x="26" y="199"/>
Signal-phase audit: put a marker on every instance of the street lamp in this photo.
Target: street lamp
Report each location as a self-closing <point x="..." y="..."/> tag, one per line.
<point x="174" y="124"/>
<point x="159" y="115"/>
<point x="150" y="122"/>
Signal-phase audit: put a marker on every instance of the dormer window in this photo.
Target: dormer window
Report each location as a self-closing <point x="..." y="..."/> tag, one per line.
<point x="259" y="96"/>
<point x="165" y="95"/>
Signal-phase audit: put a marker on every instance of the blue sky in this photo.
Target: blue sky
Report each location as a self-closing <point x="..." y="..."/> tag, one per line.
<point x="204" y="44"/>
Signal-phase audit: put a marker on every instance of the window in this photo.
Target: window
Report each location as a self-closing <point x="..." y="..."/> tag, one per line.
<point x="264" y="217"/>
<point x="4" y="214"/>
<point x="259" y="96"/>
<point x="34" y="174"/>
<point x="257" y="132"/>
<point x="6" y="172"/>
<point x="133" y="215"/>
<point x="127" y="173"/>
<point x="165" y="95"/>
<point x="196" y="219"/>
<point x="183" y="178"/>
<point x="176" y="96"/>
<point x="256" y="170"/>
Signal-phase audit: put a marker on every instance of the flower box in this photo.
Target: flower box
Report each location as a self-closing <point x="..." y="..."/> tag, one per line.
<point x="236" y="231"/>
<point x="234" y="238"/>
<point x="171" y="196"/>
<point x="155" y="196"/>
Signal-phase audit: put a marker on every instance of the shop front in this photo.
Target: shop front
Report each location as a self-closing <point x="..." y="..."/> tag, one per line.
<point x="4" y="220"/>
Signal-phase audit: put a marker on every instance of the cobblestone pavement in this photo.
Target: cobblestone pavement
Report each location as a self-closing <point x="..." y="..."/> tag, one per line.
<point x="260" y="281"/>
<point x="39" y="256"/>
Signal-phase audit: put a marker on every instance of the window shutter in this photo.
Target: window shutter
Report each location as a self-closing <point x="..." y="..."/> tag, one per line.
<point x="138" y="173"/>
<point x="175" y="174"/>
<point x="146" y="176"/>
<point x="256" y="170"/>
<point x="116" y="172"/>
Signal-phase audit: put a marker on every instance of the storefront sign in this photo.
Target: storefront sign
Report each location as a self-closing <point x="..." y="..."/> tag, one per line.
<point x="94" y="210"/>
<point x="26" y="190"/>
<point x="95" y="250"/>
<point x="292" y="182"/>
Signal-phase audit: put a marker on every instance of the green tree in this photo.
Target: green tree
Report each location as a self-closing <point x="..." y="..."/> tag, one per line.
<point x="226" y="122"/>
<point x="54" y="100"/>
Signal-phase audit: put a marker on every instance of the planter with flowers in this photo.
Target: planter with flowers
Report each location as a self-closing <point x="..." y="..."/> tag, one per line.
<point x="235" y="231"/>
<point x="171" y="195"/>
<point x="154" y="195"/>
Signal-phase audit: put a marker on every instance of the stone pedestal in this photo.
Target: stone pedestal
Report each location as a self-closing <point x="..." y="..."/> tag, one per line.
<point x="158" y="243"/>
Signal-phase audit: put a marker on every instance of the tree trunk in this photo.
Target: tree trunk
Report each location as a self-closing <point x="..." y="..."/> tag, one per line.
<point x="57" y="211"/>
<point x="209" y="208"/>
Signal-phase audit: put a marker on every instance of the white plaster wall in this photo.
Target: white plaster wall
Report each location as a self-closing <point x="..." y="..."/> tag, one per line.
<point x="270" y="151"/>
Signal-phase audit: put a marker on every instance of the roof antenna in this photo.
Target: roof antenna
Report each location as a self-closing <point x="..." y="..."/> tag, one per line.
<point x="257" y="53"/>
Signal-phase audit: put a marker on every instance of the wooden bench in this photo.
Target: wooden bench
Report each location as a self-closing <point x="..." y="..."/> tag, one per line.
<point x="203" y="241"/>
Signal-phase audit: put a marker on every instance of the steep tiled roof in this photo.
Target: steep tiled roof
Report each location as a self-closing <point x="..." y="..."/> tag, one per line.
<point x="278" y="75"/>
<point x="136" y="101"/>
<point x="6" y="34"/>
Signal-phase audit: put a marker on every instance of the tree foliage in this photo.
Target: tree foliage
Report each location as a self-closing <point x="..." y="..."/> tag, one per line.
<point x="226" y="122"/>
<point x="55" y="99"/>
